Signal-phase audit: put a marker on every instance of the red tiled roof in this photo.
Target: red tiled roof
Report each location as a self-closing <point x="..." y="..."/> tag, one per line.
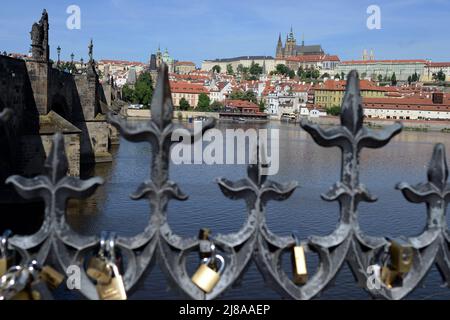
<point x="384" y="61"/>
<point x="186" y="87"/>
<point x="241" y="104"/>
<point x="407" y="103"/>
<point x="185" y="63"/>
<point x="122" y="62"/>
<point x="339" y="85"/>
<point x="439" y="64"/>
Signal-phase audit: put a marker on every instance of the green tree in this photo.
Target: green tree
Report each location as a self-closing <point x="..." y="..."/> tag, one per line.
<point x="281" y="69"/>
<point x="255" y="69"/>
<point x="240" y="68"/>
<point x="291" y="74"/>
<point x="241" y="95"/>
<point x="143" y="90"/>
<point x="440" y="76"/>
<point x="216" y="106"/>
<point x="325" y="75"/>
<point x="342" y="75"/>
<point x="334" y="110"/>
<point x="216" y="68"/>
<point x="203" y="102"/>
<point x="127" y="93"/>
<point x="409" y="79"/>
<point x="337" y="76"/>
<point x="230" y="70"/>
<point x="380" y="78"/>
<point x="394" y="79"/>
<point x="301" y="72"/>
<point x="262" y="106"/>
<point x="184" y="104"/>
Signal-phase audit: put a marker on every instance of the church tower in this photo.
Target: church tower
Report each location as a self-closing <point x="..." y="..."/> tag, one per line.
<point x="279" y="53"/>
<point x="291" y="44"/>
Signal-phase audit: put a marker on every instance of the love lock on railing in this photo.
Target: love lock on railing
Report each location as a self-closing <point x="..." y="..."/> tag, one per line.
<point x="110" y="266"/>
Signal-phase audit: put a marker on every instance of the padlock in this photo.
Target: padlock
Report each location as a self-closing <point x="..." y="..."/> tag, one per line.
<point x="298" y="260"/>
<point x="98" y="270"/>
<point x="7" y="257"/>
<point x="299" y="265"/>
<point x="115" y="289"/>
<point x="52" y="277"/>
<point x="97" y="267"/>
<point x="14" y="285"/>
<point x="204" y="243"/>
<point x="402" y="255"/>
<point x="205" y="277"/>
<point x="388" y="276"/>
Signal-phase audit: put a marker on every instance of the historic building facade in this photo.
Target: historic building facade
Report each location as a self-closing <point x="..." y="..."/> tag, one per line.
<point x="291" y="49"/>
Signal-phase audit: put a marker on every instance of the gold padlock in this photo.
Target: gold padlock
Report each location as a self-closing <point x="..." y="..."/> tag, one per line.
<point x="388" y="276"/>
<point x="206" y="278"/>
<point x="402" y="255"/>
<point x="99" y="270"/>
<point x="115" y="289"/>
<point x="299" y="265"/>
<point x="52" y="277"/>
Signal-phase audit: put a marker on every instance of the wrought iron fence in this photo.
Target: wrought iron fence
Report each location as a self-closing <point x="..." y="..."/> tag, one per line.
<point x="409" y="259"/>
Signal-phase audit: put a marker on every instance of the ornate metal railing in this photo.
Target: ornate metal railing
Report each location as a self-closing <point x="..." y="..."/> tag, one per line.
<point x="57" y="244"/>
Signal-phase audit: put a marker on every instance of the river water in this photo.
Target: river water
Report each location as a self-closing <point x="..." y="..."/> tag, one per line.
<point x="315" y="168"/>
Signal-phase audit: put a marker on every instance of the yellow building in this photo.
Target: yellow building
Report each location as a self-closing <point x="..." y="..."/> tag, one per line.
<point x="331" y="92"/>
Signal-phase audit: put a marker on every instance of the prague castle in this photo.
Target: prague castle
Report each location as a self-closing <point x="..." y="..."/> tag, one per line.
<point x="291" y="49"/>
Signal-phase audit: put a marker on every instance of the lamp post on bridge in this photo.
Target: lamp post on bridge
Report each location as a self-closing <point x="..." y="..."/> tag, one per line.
<point x="58" y="50"/>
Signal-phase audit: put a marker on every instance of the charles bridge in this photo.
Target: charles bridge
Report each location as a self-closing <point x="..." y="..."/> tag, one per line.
<point x="45" y="100"/>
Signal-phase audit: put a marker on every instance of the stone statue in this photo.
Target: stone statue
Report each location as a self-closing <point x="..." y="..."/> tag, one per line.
<point x="39" y="38"/>
<point x="91" y="51"/>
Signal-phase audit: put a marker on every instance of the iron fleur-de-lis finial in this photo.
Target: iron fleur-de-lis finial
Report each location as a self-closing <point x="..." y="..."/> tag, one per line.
<point x="256" y="185"/>
<point x="436" y="192"/>
<point x="158" y="132"/>
<point x="54" y="186"/>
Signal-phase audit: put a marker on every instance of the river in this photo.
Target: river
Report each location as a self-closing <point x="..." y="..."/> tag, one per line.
<point x="315" y="168"/>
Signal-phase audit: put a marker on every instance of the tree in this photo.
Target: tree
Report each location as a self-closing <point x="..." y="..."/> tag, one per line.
<point x="216" y="106"/>
<point x="255" y="69"/>
<point x="230" y="69"/>
<point x="203" y="102"/>
<point x="262" y="106"/>
<point x="300" y="72"/>
<point x="241" y="95"/>
<point x="380" y="78"/>
<point x="184" y="104"/>
<point x="281" y="69"/>
<point x="325" y="75"/>
<point x="143" y="91"/>
<point x="291" y="74"/>
<point x="342" y="75"/>
<point x="409" y="79"/>
<point x="440" y="76"/>
<point x="315" y="74"/>
<point x="216" y="68"/>
<point x="337" y="76"/>
<point x="239" y="68"/>
<point x="394" y="79"/>
<point x="334" y="111"/>
<point x="127" y="93"/>
<point x="415" y="77"/>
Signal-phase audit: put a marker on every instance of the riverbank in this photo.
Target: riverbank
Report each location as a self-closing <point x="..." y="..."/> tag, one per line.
<point x="409" y="125"/>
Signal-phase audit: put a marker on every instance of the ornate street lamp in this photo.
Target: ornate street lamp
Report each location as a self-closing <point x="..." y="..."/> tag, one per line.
<point x="58" y="50"/>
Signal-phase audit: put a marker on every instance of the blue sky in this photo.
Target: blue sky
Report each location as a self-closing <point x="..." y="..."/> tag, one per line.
<point x="205" y="29"/>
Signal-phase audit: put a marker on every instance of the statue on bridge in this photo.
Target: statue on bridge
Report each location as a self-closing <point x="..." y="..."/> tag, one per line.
<point x="39" y="38"/>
